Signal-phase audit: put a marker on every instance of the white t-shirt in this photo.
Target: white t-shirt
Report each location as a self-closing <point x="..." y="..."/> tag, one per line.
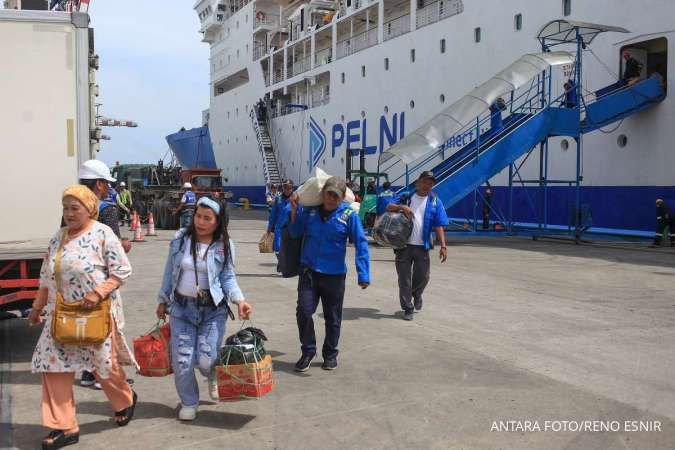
<point x="418" y="205"/>
<point x="186" y="283"/>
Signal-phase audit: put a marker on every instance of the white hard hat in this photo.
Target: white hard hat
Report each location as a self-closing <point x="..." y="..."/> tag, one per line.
<point x="95" y="170"/>
<point x="123" y="184"/>
<point x="187" y="186"/>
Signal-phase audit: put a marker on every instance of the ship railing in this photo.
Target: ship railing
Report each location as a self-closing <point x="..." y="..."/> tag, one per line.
<point x="259" y="50"/>
<point x="397" y="27"/>
<point x="278" y="76"/>
<point x="438" y="10"/>
<point x="319" y="99"/>
<point x="357" y="43"/>
<point x="527" y="102"/>
<point x="266" y="19"/>
<point x="323" y="56"/>
<point x="301" y="66"/>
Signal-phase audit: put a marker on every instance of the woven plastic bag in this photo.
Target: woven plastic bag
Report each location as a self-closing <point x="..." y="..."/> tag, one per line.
<point x="393" y="230"/>
<point x="266" y="243"/>
<point x="153" y="352"/>
<point x="245" y="370"/>
<point x="309" y="194"/>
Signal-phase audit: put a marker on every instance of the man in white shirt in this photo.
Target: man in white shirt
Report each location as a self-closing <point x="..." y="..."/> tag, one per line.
<point x="427" y="212"/>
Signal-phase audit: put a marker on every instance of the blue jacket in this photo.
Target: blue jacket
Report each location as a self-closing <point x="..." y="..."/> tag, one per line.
<point x="325" y="243"/>
<point x="189" y="198"/>
<point x="434" y="215"/>
<point x="281" y="210"/>
<point x="222" y="280"/>
<point x="384" y="199"/>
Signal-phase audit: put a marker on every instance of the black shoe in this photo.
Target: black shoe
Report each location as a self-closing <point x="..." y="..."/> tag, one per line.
<point x="329" y="364"/>
<point x="88" y="379"/>
<point x="408" y="315"/>
<point x="58" y="439"/>
<point x="303" y="363"/>
<point x="418" y="304"/>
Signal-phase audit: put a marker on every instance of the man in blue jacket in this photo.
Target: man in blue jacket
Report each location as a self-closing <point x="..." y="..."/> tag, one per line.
<point x="427" y="212"/>
<point x="326" y="230"/>
<point x="279" y="213"/>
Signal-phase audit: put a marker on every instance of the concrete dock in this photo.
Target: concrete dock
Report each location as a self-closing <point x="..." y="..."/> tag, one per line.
<point x="521" y="344"/>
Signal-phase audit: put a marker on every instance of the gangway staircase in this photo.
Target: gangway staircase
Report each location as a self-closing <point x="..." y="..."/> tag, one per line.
<point x="269" y="159"/>
<point x="532" y="117"/>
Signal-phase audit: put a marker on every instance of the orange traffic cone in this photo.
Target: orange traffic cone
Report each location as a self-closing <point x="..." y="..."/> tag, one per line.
<point x="134" y="222"/>
<point x="138" y="235"/>
<point x="151" y="226"/>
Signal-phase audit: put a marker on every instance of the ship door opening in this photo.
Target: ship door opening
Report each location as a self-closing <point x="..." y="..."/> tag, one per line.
<point x="651" y="57"/>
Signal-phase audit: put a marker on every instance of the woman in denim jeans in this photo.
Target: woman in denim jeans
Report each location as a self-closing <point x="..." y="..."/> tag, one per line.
<point x="198" y="281"/>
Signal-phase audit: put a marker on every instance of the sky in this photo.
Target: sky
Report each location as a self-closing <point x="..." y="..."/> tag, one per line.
<point x="154" y="70"/>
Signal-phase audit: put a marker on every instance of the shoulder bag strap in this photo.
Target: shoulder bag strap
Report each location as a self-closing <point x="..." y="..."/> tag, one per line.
<point x="57" y="266"/>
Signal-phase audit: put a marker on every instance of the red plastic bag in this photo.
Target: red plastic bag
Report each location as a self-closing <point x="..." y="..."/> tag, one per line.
<point x="153" y="352"/>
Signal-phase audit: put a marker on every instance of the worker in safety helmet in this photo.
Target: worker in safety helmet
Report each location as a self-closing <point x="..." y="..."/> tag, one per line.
<point x="187" y="205"/>
<point x="124" y="202"/>
<point x="664" y="220"/>
<point x="96" y="176"/>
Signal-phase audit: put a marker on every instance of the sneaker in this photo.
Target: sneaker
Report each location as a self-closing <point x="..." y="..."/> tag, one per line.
<point x="418" y="304"/>
<point x="97" y="386"/>
<point x="213" y="386"/>
<point x="329" y="364"/>
<point x="408" y="315"/>
<point x="187" y="413"/>
<point x="88" y="379"/>
<point x="303" y="363"/>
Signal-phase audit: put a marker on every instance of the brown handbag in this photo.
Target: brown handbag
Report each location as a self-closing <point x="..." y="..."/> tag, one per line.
<point x="72" y="323"/>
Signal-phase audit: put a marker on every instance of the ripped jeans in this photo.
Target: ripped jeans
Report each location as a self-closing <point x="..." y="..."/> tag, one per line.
<point x="196" y="335"/>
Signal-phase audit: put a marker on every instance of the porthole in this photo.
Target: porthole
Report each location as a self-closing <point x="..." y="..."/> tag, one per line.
<point x="622" y="140"/>
<point x="386" y="109"/>
<point x="412" y="55"/>
<point x="564" y="145"/>
<point x="442" y="45"/>
<point x="442" y="98"/>
<point x="342" y="77"/>
<point x="342" y="118"/>
<point x="363" y="71"/>
<point x="386" y="63"/>
<point x="363" y="114"/>
<point x="477" y="34"/>
<point x="412" y="104"/>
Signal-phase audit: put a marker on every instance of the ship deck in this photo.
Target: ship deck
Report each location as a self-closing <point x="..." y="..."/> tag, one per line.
<point x="511" y="330"/>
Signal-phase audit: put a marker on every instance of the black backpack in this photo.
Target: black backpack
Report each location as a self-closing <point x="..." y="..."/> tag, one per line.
<point x="289" y="254"/>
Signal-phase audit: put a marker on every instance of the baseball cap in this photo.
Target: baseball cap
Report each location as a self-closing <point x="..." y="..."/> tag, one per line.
<point x="336" y="185"/>
<point x="427" y="174"/>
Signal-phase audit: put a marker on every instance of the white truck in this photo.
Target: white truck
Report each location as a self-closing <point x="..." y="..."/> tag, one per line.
<point x="47" y="129"/>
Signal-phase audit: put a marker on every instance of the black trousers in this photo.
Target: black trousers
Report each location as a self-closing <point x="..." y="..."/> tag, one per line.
<point x="413" y="269"/>
<point x="661" y="229"/>
<point x="330" y="290"/>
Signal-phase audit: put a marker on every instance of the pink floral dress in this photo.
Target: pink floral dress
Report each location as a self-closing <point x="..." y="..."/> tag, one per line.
<point x="87" y="261"/>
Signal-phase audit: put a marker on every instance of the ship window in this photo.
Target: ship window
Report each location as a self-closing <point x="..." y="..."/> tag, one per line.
<point x="228" y="115"/>
<point x="412" y="104"/>
<point x="237" y="53"/>
<point x="567" y="7"/>
<point x="237" y="24"/>
<point x="518" y="22"/>
<point x="442" y="98"/>
<point x="386" y="63"/>
<point x="564" y="145"/>
<point x="342" y="77"/>
<point x="622" y="141"/>
<point x="363" y="71"/>
<point x="476" y="34"/>
<point x="386" y="109"/>
<point x="412" y="55"/>
<point x="442" y="45"/>
<point x="363" y="114"/>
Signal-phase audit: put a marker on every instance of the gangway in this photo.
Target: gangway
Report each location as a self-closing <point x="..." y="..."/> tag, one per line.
<point x="533" y="115"/>
<point x="269" y="160"/>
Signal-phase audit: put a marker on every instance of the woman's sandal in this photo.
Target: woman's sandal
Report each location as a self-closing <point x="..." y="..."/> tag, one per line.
<point x="59" y="439"/>
<point x="126" y="413"/>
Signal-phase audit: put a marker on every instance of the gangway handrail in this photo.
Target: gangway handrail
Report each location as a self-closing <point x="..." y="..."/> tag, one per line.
<point x="478" y="123"/>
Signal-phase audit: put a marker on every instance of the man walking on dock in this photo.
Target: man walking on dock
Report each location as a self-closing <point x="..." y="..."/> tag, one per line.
<point x="427" y="212"/>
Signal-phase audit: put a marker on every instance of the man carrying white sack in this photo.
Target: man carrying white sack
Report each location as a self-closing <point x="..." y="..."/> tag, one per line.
<point x="427" y="213"/>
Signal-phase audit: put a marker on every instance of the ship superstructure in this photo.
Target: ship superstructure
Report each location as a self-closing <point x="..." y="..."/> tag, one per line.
<point x="340" y="77"/>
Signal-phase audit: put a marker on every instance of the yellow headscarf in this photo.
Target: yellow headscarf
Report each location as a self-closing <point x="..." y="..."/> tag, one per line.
<point x="85" y="196"/>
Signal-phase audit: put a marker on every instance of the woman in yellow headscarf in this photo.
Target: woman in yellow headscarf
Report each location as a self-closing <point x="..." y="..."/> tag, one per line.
<point x="93" y="265"/>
